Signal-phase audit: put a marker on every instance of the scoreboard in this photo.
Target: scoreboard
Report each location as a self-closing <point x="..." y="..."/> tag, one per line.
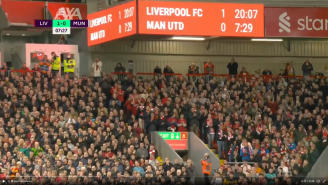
<point x="176" y="18"/>
<point x="112" y="23"/>
<point x="201" y="19"/>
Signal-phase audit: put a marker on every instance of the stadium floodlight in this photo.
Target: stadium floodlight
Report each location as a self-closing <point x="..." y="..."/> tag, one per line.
<point x="188" y="38"/>
<point x="268" y="40"/>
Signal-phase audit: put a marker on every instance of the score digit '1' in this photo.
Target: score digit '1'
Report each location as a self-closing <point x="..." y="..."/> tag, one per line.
<point x="119" y="29"/>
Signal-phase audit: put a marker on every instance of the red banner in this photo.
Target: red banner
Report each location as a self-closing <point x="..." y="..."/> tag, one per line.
<point x="68" y="11"/>
<point x="23" y="12"/>
<point x="112" y="23"/>
<point x="200" y="19"/>
<point x="296" y="22"/>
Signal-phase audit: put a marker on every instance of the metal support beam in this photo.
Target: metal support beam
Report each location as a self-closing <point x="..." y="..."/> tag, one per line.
<point x="208" y="45"/>
<point x="287" y="44"/>
<point x="133" y="43"/>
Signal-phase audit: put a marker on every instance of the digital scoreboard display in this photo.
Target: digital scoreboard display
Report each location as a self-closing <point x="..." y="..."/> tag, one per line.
<point x="173" y="18"/>
<point x="176" y="140"/>
<point x="200" y="19"/>
<point x="112" y="23"/>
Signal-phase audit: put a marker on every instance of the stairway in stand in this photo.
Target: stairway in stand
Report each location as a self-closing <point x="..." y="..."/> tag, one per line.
<point x="214" y="150"/>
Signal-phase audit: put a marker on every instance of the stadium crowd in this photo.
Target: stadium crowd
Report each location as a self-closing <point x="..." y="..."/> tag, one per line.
<point x="58" y="129"/>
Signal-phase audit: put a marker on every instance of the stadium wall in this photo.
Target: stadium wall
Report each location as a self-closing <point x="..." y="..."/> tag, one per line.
<point x="13" y="50"/>
<point x="180" y="54"/>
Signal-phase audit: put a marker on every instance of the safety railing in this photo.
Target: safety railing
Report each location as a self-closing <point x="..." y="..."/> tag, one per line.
<point x="238" y="76"/>
<point x="242" y="76"/>
<point x="62" y="1"/>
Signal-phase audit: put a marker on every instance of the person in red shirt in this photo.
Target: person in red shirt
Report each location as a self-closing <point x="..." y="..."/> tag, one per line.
<point x="164" y="99"/>
<point x="136" y="128"/>
<point x="208" y="70"/>
<point x="131" y="105"/>
<point x="24" y="69"/>
<point x="118" y="91"/>
<point x="244" y="74"/>
<point x="182" y="124"/>
<point x="152" y="150"/>
<point x="3" y="174"/>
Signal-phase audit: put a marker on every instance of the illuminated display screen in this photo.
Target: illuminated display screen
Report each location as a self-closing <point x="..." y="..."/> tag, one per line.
<point x="112" y="23"/>
<point x="200" y="19"/>
<point x="177" y="140"/>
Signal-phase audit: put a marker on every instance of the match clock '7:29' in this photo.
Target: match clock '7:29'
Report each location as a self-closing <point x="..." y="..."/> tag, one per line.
<point x="244" y="27"/>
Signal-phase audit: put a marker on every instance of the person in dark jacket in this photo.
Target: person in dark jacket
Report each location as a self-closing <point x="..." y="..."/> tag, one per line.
<point x="119" y="69"/>
<point x="307" y="68"/>
<point x="233" y="67"/>
<point x="151" y="127"/>
<point x="168" y="71"/>
<point x="193" y="69"/>
<point x="157" y="70"/>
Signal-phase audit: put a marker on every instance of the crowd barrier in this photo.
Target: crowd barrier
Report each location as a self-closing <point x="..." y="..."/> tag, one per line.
<point x="243" y="76"/>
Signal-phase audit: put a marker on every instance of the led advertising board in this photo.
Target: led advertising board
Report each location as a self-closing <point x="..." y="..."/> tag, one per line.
<point x="296" y="22"/>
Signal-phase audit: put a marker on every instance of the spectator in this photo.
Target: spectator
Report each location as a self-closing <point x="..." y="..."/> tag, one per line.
<point x="307" y="68"/>
<point x="243" y="71"/>
<point x="64" y="127"/>
<point x="246" y="150"/>
<point x="208" y="70"/>
<point x="4" y="70"/>
<point x="97" y="69"/>
<point x="266" y="72"/>
<point x="217" y="179"/>
<point x="233" y="67"/>
<point x="157" y="70"/>
<point x="120" y="70"/>
<point x="168" y="72"/>
<point x="289" y="70"/>
<point x="130" y="66"/>
<point x="193" y="70"/>
<point x="142" y="152"/>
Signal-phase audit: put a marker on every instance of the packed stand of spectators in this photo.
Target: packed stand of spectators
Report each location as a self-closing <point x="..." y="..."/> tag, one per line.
<point x="57" y="130"/>
<point x="277" y="125"/>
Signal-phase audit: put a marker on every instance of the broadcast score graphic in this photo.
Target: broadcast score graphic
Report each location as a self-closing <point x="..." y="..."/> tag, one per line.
<point x="61" y="26"/>
<point x="201" y="19"/>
